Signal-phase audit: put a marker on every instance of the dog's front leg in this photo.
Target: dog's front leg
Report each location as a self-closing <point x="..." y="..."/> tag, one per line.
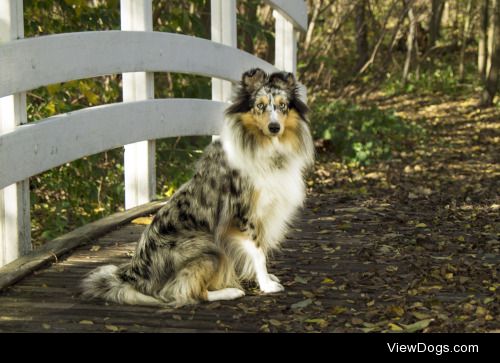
<point x="267" y="283"/>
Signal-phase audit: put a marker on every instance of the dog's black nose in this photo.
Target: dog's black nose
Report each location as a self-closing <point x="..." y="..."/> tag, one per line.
<point x="274" y="127"/>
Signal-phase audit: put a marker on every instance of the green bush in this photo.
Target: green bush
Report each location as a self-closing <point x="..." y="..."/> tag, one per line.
<point x="362" y="135"/>
<point x="440" y="80"/>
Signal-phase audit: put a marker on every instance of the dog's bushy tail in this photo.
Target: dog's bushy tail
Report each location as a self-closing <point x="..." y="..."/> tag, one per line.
<point x="104" y="283"/>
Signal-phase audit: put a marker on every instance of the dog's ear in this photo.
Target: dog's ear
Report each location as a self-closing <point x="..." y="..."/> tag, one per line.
<point x="283" y="80"/>
<point x="287" y="82"/>
<point x="253" y="79"/>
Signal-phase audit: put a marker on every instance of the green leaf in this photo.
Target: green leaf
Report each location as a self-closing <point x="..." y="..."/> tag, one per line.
<point x="301" y="304"/>
<point x="419" y="325"/>
<point x="395" y="327"/>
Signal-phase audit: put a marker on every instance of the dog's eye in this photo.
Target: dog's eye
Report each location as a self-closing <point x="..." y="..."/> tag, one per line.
<point x="283" y="106"/>
<point x="260" y="106"/>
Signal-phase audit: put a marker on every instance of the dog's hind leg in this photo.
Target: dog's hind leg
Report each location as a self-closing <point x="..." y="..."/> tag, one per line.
<point x="205" y="276"/>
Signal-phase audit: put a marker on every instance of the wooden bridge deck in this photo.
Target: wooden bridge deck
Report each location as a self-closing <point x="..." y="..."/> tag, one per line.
<point x="335" y="279"/>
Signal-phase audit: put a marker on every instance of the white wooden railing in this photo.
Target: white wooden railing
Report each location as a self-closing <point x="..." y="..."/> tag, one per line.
<point x="137" y="52"/>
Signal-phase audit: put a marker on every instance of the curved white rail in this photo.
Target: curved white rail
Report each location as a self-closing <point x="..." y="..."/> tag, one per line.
<point x="30" y="63"/>
<point x="60" y="139"/>
<point x="294" y="11"/>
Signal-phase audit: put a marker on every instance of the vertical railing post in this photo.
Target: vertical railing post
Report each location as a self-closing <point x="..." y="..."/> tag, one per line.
<point x="139" y="163"/>
<point x="223" y="24"/>
<point x="15" y="228"/>
<point x="286" y="44"/>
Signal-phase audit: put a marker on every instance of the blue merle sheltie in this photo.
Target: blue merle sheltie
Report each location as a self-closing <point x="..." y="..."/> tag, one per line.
<point x="218" y="228"/>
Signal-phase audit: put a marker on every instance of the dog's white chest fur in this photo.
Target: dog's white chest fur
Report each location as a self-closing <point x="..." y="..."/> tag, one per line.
<point x="280" y="190"/>
<point x="280" y="194"/>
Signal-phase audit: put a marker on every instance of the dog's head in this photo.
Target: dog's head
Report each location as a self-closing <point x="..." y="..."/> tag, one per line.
<point x="268" y="104"/>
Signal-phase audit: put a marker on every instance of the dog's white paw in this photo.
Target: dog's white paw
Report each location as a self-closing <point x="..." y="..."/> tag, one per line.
<point x="234" y="293"/>
<point x="274" y="278"/>
<point x="229" y="293"/>
<point x="271" y="286"/>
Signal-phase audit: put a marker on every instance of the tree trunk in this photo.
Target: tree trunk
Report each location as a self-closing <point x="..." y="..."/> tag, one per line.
<point x="482" y="50"/>
<point x="492" y="74"/>
<point x="312" y="24"/>
<point x="361" y="33"/>
<point x="490" y="44"/>
<point x="435" y="21"/>
<point x="465" y="35"/>
<point x="410" y="41"/>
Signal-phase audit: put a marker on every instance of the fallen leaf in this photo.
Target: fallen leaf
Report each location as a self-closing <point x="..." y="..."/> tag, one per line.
<point x="86" y="322"/>
<point x="222" y="325"/>
<point x="142" y="220"/>
<point x="468" y="308"/>
<point x="301" y="304"/>
<point x="336" y="310"/>
<point x="463" y="279"/>
<point x="95" y="248"/>
<point x="480" y="311"/>
<point x="275" y="322"/>
<point x="344" y="226"/>
<point x="421" y="225"/>
<point x="356" y="321"/>
<point x="396" y="310"/>
<point x="391" y="268"/>
<point x="420" y="316"/>
<point x="412" y="195"/>
<point x="419" y="325"/>
<point x="425" y="191"/>
<point x="370" y="303"/>
<point x="488" y="300"/>
<point x="112" y="328"/>
<point x="395" y="327"/>
<point x="214" y="305"/>
<point x="351" y="210"/>
<point x="265" y="328"/>
<point x="301" y="280"/>
<point x="321" y="322"/>
<point x="327" y="280"/>
<point x="386" y="248"/>
<point x="308" y="294"/>
<point x="46" y="326"/>
<point x="324" y="231"/>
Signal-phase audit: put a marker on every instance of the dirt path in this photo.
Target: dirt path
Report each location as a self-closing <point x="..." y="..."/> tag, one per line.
<point x="430" y="222"/>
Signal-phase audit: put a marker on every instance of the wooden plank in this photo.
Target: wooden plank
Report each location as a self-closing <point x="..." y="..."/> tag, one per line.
<point x="15" y="223"/>
<point x="40" y="146"/>
<point x="49" y="252"/>
<point x="139" y="158"/>
<point x="295" y="11"/>
<point x="30" y="63"/>
<point x="49" y="300"/>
